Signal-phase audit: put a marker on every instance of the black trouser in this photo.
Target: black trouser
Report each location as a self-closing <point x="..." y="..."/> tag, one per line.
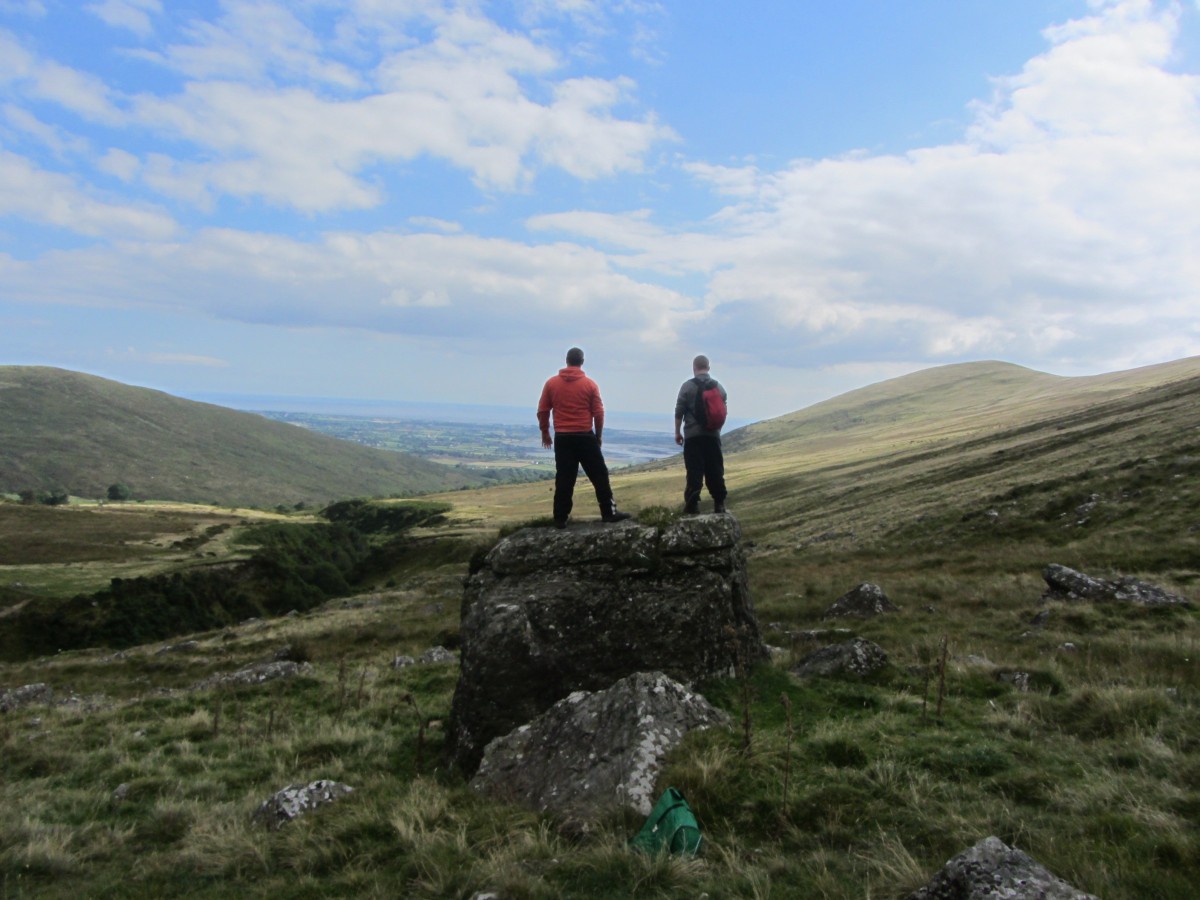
<point x="572" y="450"/>
<point x="705" y="464"/>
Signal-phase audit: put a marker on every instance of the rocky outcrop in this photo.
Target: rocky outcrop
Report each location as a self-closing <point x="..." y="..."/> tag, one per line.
<point x="25" y="695"/>
<point x="991" y="870"/>
<point x="1067" y="584"/>
<point x="591" y="753"/>
<point x="854" y="657"/>
<point x="296" y="800"/>
<point x="864" y="601"/>
<point x="551" y="612"/>
<point x="260" y="673"/>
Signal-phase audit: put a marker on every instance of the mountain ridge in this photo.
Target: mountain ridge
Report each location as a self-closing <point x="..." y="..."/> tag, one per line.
<point x="66" y="429"/>
<point x="970" y="396"/>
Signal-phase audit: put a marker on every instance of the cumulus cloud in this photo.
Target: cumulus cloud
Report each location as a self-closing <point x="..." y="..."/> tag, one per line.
<point x="1067" y="206"/>
<point x="277" y="111"/>
<point x="36" y="195"/>
<point x="134" y="15"/>
<point x="419" y="284"/>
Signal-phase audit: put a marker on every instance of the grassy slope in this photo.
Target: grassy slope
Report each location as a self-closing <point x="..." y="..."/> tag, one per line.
<point x="65" y="429"/>
<point x="872" y="786"/>
<point x="807" y="471"/>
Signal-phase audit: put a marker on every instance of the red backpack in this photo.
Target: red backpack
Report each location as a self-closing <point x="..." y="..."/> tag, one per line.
<point x="709" y="408"/>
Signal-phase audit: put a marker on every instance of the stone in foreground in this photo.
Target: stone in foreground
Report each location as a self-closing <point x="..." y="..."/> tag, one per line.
<point x="295" y="800"/>
<point x="552" y="612"/>
<point x="992" y="870"/>
<point x="854" y="657"/>
<point x="592" y="753"/>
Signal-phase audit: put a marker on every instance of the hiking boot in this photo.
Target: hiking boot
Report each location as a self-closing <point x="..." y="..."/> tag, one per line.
<point x="691" y="508"/>
<point x="616" y="516"/>
<point x="560" y="523"/>
<point x="719" y="506"/>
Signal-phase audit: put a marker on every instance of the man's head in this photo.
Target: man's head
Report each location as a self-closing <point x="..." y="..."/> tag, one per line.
<point x="700" y="364"/>
<point x="574" y="357"/>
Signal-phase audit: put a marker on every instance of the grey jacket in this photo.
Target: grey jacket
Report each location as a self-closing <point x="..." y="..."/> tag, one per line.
<point x="686" y="401"/>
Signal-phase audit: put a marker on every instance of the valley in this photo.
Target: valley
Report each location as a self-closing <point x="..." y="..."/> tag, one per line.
<point x="952" y="490"/>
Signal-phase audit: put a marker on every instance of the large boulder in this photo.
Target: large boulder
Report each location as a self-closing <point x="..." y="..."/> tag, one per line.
<point x="550" y="612"/>
<point x="1063" y="583"/>
<point x="591" y="753"/>
<point x="992" y="870"/>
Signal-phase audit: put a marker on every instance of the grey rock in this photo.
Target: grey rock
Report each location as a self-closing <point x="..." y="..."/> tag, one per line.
<point x="437" y="655"/>
<point x="864" y="601"/>
<point x="855" y="657"/>
<point x="991" y="870"/>
<point x="1066" y="584"/>
<point x="1019" y="680"/>
<point x="594" y="752"/>
<point x="401" y="662"/>
<point x="25" y="695"/>
<point x="297" y="799"/>
<point x="120" y="793"/>
<point x="182" y="647"/>
<point x="259" y="673"/>
<point x="552" y="612"/>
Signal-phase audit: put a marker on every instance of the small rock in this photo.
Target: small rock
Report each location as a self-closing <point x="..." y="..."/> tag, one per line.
<point x="864" y="601"/>
<point x="297" y="799"/>
<point x="1019" y="680"/>
<point x="401" y="662"/>
<point x="856" y="657"/>
<point x="256" y="674"/>
<point x="438" y="655"/>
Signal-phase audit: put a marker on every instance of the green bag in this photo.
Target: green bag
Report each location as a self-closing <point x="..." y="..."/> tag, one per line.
<point x="671" y="825"/>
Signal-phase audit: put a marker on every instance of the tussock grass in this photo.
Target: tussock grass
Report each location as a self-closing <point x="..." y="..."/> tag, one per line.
<point x="854" y="788"/>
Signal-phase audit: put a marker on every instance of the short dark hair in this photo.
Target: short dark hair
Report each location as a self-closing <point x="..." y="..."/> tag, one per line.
<point x="700" y="363"/>
<point x="574" y="357"/>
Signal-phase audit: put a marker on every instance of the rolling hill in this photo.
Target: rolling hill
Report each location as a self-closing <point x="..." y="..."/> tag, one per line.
<point x="1067" y="728"/>
<point x="938" y="443"/>
<point x="63" y="429"/>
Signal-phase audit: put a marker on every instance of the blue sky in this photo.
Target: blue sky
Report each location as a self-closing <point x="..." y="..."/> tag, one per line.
<point x="419" y="200"/>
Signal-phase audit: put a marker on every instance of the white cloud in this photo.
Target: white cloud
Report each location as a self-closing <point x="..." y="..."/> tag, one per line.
<point x="418" y="284"/>
<point x="134" y="15"/>
<point x="37" y="195"/>
<point x="275" y="115"/>
<point x="1071" y="202"/>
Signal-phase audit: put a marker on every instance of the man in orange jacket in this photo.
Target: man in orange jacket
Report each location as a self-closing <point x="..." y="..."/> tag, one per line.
<point x="575" y="401"/>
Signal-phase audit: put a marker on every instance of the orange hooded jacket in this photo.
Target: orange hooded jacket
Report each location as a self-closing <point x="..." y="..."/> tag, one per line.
<point x="576" y="402"/>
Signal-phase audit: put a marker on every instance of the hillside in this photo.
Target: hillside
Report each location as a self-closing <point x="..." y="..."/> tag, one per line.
<point x="1068" y="728"/>
<point x="937" y="439"/>
<point x="62" y="429"/>
<point x="948" y="402"/>
<point x="949" y="442"/>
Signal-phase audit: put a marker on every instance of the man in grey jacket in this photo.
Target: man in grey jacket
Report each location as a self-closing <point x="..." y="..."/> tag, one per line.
<point x="702" y="456"/>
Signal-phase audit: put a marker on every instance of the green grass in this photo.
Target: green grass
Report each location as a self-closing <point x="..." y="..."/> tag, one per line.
<point x="850" y="788"/>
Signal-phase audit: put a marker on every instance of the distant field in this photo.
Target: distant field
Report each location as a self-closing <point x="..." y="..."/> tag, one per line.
<point x="62" y="550"/>
<point x="474" y="444"/>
